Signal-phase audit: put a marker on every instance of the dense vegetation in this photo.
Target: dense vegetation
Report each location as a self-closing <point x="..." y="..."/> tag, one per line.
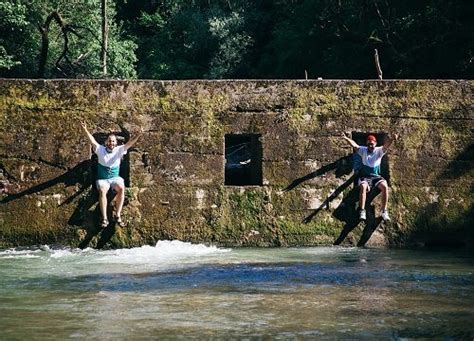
<point x="181" y="39"/>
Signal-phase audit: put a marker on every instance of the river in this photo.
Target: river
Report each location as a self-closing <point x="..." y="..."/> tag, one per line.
<point x="182" y="290"/>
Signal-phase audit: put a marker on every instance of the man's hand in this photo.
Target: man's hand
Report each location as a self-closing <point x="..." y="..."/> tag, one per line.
<point x="84" y="126"/>
<point x="389" y="141"/>
<point x="138" y="134"/>
<point x="132" y="141"/>
<point x="348" y="139"/>
<point x="89" y="135"/>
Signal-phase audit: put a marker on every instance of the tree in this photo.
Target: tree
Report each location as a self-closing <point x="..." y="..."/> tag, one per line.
<point x="232" y="44"/>
<point x="13" y="40"/>
<point x="180" y="39"/>
<point x="63" y="39"/>
<point x="191" y="39"/>
<point x="336" y="39"/>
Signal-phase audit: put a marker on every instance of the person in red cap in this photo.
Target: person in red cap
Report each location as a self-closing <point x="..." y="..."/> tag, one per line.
<point x="370" y="172"/>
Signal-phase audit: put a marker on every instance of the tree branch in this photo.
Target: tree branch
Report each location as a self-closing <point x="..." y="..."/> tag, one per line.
<point x="44" y="30"/>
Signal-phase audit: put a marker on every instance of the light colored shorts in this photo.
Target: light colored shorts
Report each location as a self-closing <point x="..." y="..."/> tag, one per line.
<point x="108" y="183"/>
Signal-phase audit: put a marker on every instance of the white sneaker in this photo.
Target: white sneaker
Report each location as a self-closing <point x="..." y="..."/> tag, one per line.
<point x="362" y="215"/>
<point x="385" y="216"/>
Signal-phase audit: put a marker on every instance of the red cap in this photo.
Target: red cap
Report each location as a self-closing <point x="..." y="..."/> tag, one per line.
<point x="371" y="138"/>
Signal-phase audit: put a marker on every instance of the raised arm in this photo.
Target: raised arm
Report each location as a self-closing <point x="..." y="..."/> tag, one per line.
<point x="351" y="142"/>
<point x="131" y="142"/>
<point x="89" y="136"/>
<point x="388" y="142"/>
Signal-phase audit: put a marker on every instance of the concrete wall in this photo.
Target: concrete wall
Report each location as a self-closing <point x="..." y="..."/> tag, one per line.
<point x="176" y="170"/>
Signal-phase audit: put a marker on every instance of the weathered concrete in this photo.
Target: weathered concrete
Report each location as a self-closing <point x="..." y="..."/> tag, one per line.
<point x="177" y="169"/>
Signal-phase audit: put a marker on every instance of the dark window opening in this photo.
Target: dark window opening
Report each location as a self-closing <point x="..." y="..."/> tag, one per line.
<point x="124" y="165"/>
<point x="361" y="139"/>
<point x="243" y="160"/>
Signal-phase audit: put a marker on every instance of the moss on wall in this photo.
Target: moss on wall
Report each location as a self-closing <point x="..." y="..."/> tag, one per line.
<point x="177" y="168"/>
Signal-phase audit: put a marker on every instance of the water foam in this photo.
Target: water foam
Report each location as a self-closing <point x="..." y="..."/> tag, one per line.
<point x="20" y="253"/>
<point x="163" y="251"/>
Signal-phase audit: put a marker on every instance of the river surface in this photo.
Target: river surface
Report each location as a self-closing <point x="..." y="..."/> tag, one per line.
<point x="180" y="290"/>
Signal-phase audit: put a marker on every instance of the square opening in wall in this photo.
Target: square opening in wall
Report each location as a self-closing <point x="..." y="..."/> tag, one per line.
<point x="243" y="160"/>
<point x="361" y="139"/>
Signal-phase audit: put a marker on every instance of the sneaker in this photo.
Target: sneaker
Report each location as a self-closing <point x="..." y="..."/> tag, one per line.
<point x="362" y="215"/>
<point x="385" y="216"/>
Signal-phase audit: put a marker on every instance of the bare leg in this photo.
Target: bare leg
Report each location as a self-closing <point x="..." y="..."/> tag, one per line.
<point x="383" y="187"/>
<point x="119" y="198"/>
<point x="362" y="195"/>
<point x="103" y="201"/>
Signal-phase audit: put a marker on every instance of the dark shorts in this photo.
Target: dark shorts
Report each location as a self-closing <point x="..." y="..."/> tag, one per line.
<point x="371" y="181"/>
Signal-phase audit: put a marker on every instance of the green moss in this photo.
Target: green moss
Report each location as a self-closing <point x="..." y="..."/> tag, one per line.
<point x="190" y="118"/>
<point x="239" y="213"/>
<point x="43" y="224"/>
<point x="196" y="116"/>
<point x="309" y="107"/>
<point x="314" y="228"/>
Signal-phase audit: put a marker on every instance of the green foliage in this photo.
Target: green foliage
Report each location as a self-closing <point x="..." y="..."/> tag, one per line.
<point x="415" y="39"/>
<point x="173" y="47"/>
<point x="182" y="39"/>
<point x="20" y="25"/>
<point x="6" y="61"/>
<point x="232" y="43"/>
<point x="197" y="39"/>
<point x="282" y="39"/>
<point x="13" y="25"/>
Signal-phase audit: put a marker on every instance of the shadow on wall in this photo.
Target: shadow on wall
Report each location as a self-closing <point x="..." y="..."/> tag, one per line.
<point x="346" y="211"/>
<point x="82" y="174"/>
<point x="436" y="225"/>
<point x="343" y="166"/>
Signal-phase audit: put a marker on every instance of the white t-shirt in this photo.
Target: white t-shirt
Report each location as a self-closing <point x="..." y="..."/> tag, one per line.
<point x="371" y="161"/>
<point x="109" y="163"/>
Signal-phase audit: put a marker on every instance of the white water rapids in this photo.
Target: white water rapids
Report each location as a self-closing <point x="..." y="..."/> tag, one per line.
<point x="181" y="290"/>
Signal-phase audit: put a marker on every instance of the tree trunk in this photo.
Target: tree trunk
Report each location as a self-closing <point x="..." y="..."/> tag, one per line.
<point x="105" y="32"/>
<point x="43" y="57"/>
<point x="44" y="30"/>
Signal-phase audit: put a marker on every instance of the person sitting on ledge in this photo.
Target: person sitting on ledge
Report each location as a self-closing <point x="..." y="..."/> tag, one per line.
<point x="369" y="174"/>
<point x="109" y="158"/>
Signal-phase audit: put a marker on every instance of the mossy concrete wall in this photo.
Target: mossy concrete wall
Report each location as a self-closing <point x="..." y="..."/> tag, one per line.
<point x="177" y="186"/>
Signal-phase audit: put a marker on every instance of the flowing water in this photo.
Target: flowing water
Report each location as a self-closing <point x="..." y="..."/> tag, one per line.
<point x="180" y="290"/>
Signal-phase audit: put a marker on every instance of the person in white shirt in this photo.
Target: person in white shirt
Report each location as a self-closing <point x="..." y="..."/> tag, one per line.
<point x="370" y="172"/>
<point x="109" y="158"/>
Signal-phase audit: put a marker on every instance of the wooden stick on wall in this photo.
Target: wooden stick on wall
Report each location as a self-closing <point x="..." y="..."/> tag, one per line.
<point x="377" y="65"/>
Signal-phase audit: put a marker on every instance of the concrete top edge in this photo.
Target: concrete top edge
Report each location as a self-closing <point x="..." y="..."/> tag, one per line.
<point x="232" y="80"/>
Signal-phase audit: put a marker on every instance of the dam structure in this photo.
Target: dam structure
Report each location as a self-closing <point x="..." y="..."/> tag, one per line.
<point x="237" y="162"/>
